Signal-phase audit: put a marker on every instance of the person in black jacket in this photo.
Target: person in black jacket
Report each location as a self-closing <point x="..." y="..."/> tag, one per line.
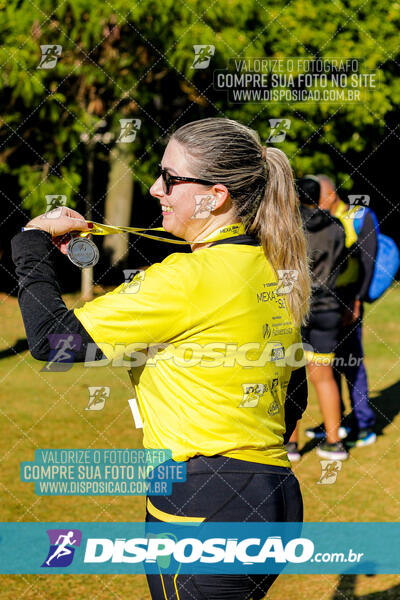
<point x="328" y="254"/>
<point x="353" y="292"/>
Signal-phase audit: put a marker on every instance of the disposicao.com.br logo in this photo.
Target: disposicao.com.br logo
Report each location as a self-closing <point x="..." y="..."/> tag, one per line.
<point x="193" y="550"/>
<point x="167" y="549"/>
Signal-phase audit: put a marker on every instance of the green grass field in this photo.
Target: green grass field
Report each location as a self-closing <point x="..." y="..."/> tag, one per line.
<point x="47" y="410"/>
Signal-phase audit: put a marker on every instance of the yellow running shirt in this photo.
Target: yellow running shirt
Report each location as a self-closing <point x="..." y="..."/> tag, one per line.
<point x="351" y="273"/>
<point x="215" y="347"/>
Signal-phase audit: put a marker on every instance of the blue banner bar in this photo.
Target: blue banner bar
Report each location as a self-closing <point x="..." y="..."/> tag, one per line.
<point x="133" y="548"/>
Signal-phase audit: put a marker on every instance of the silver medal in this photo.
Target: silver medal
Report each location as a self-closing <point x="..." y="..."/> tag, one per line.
<point x="82" y="252"/>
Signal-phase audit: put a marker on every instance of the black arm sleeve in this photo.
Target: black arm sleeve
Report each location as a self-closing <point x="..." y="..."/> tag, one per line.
<point x="296" y="400"/>
<point x="341" y="252"/>
<point x="39" y="296"/>
<point x="367" y="245"/>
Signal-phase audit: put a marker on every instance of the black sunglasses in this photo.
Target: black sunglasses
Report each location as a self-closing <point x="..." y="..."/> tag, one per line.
<point x="170" y="180"/>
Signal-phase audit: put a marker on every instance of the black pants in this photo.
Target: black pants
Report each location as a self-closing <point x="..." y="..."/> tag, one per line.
<point x="225" y="489"/>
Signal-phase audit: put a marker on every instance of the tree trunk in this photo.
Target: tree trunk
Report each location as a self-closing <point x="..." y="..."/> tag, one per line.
<point x="118" y="206"/>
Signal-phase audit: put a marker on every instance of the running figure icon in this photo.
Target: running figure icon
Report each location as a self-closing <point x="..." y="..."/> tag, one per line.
<point x="62" y="351"/>
<point x="62" y="549"/>
<point x="63" y="544"/>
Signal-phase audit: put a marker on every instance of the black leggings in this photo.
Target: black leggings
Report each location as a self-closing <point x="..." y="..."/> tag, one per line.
<point x="225" y="489"/>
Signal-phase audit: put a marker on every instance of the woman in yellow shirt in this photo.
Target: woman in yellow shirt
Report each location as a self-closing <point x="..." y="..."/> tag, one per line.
<point x="217" y="378"/>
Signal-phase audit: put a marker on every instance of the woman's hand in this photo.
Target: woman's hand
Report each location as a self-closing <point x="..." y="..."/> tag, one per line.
<point x="60" y="223"/>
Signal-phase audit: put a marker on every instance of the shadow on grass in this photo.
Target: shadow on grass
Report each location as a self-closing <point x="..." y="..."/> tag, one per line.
<point x="20" y="346"/>
<point x="345" y="590"/>
<point x="386" y="407"/>
<point x="309" y="446"/>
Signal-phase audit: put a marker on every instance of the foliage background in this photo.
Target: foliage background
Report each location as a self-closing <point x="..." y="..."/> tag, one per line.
<point x="124" y="59"/>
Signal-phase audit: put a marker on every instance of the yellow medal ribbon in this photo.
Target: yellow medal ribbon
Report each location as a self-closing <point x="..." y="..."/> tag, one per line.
<point x="220" y="234"/>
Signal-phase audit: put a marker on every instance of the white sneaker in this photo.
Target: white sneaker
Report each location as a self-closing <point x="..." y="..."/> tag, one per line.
<point x="293" y="452"/>
<point x="335" y="451"/>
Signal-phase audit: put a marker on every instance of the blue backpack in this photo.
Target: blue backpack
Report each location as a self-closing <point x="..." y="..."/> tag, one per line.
<point x="387" y="260"/>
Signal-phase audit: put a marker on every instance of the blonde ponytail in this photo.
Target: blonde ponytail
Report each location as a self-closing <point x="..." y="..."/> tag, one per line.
<point x="278" y="226"/>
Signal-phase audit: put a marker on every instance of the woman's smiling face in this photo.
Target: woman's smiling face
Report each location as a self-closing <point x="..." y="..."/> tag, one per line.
<point x="179" y="206"/>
